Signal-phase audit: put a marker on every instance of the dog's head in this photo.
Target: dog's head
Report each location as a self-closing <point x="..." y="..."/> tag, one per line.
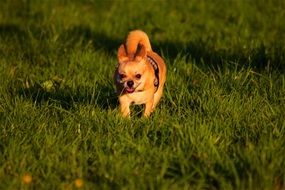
<point x="132" y="72"/>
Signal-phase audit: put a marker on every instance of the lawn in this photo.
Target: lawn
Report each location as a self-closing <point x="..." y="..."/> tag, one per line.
<point x="219" y="125"/>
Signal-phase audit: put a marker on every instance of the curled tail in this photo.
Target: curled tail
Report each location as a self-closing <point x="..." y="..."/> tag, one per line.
<point x="135" y="38"/>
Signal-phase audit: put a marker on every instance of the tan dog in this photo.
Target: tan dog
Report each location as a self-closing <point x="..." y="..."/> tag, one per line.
<point x="140" y="74"/>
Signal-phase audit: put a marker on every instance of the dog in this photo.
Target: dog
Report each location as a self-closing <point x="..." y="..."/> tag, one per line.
<point x="140" y="74"/>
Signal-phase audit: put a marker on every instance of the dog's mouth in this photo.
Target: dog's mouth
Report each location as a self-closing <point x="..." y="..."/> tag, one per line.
<point x="132" y="89"/>
<point x="129" y="90"/>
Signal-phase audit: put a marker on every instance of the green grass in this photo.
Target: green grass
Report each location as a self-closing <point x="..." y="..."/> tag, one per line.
<point x="219" y="125"/>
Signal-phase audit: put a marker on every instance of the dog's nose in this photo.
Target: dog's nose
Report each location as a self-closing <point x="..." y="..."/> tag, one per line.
<point x="130" y="83"/>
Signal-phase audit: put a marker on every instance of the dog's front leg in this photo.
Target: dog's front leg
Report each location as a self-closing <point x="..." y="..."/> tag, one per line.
<point x="148" y="108"/>
<point x="124" y="106"/>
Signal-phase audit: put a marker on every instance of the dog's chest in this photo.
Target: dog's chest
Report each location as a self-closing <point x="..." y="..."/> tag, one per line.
<point x="139" y="97"/>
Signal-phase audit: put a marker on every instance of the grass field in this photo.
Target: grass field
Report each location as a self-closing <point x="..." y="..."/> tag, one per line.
<point x="219" y="125"/>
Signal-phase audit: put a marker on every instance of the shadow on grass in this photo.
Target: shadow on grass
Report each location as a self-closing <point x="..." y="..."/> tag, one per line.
<point x="32" y="46"/>
<point x="65" y="97"/>
<point x="260" y="59"/>
<point x="83" y="35"/>
<point x="205" y="55"/>
<point x="12" y="36"/>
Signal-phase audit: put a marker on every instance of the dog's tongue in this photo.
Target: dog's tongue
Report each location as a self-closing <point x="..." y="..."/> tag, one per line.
<point x="130" y="90"/>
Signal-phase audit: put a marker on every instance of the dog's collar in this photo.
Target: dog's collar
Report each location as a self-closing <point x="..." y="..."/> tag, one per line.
<point x="156" y="71"/>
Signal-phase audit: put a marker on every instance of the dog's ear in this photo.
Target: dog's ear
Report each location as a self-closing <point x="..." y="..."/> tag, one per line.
<point x="122" y="54"/>
<point x="141" y="53"/>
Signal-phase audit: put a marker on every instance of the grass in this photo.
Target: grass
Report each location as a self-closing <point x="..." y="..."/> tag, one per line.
<point x="220" y="124"/>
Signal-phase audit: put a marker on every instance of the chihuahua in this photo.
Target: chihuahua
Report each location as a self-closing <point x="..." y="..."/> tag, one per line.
<point x="140" y="74"/>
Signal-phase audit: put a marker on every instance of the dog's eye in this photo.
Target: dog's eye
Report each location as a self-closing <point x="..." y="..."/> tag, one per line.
<point x="138" y="76"/>
<point x="122" y="76"/>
